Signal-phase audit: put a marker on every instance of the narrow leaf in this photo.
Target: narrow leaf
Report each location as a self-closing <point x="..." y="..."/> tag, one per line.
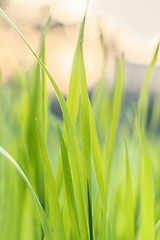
<point x="147" y="198"/>
<point x="42" y="215"/>
<point x="69" y="188"/>
<point x="54" y="207"/>
<point x="115" y="114"/>
<point x="129" y="206"/>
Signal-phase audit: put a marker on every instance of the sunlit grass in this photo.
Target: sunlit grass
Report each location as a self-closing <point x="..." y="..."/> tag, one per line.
<point x="92" y="175"/>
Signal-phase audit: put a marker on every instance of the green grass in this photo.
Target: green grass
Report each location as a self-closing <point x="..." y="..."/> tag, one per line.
<point x="92" y="175"/>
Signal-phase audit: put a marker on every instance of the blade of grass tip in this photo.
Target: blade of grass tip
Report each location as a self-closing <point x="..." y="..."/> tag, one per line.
<point x="129" y="206"/>
<point x="143" y="101"/>
<point x="87" y="122"/>
<point x="44" y="79"/>
<point x="74" y="89"/>
<point x="57" y="90"/>
<point x="54" y="207"/>
<point x="42" y="215"/>
<point x="147" y="197"/>
<point x="69" y="188"/>
<point x="75" y="79"/>
<point x="116" y="109"/>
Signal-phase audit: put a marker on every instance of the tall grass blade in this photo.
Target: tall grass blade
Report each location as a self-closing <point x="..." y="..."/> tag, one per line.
<point x="85" y="127"/>
<point x="74" y="88"/>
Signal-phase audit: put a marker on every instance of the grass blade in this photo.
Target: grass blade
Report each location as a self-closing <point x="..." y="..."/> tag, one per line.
<point x="129" y="206"/>
<point x="116" y="108"/>
<point x="75" y="79"/>
<point x="147" y="197"/>
<point x="74" y="88"/>
<point x="97" y="157"/>
<point x="69" y="188"/>
<point x="85" y="127"/>
<point x="53" y="203"/>
<point x="90" y="215"/>
<point x="44" y="90"/>
<point x="42" y="215"/>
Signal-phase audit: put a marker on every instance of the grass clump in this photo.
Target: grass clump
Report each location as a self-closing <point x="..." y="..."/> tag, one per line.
<point x="92" y="175"/>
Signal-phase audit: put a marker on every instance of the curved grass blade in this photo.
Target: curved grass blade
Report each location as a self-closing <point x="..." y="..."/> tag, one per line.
<point x="57" y="90"/>
<point x="42" y="215"/>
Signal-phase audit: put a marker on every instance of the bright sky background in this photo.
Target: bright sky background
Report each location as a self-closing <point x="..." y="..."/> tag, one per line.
<point x="139" y="20"/>
<point x="136" y="22"/>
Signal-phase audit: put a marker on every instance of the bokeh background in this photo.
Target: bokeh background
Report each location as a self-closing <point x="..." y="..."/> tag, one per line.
<point x="129" y="27"/>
